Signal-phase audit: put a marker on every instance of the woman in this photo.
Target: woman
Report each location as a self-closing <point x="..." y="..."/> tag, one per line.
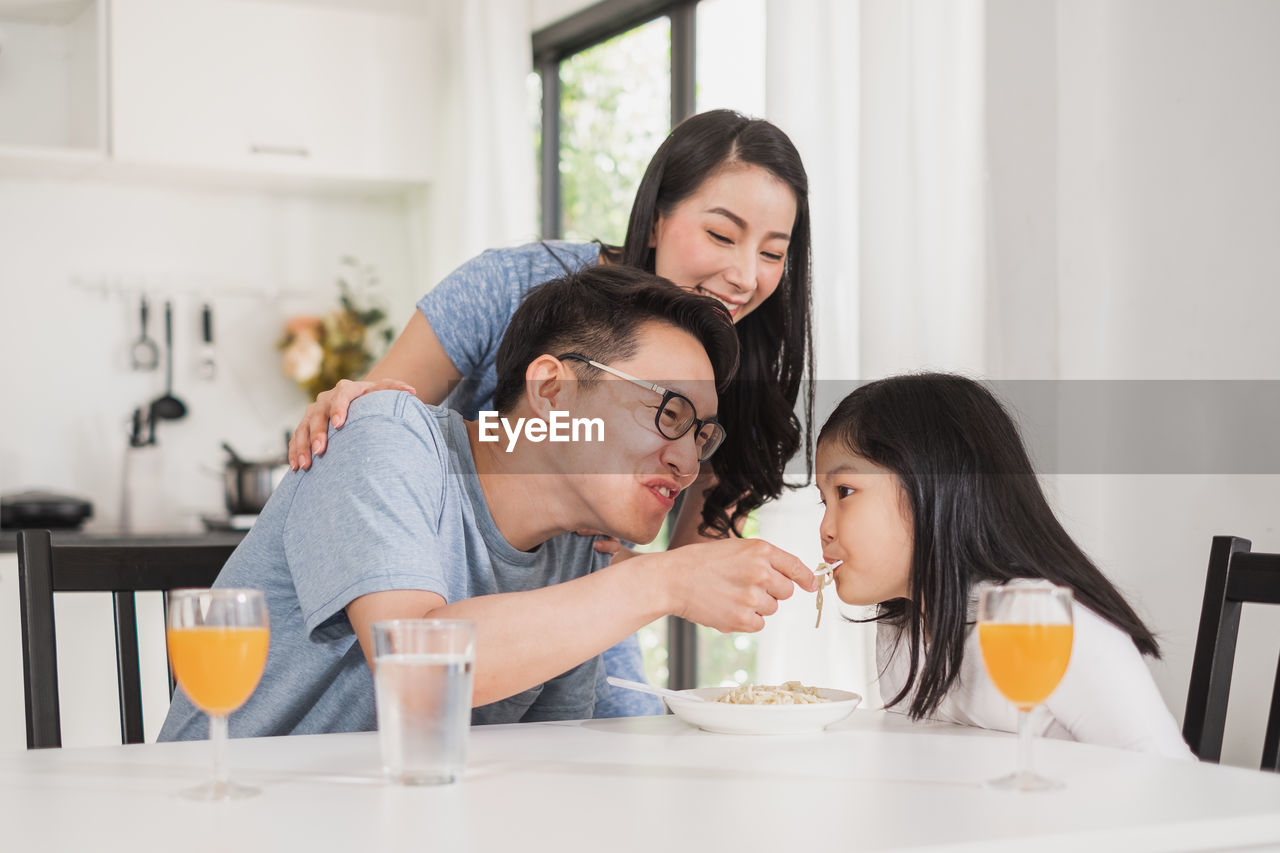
<point x="722" y="210"/>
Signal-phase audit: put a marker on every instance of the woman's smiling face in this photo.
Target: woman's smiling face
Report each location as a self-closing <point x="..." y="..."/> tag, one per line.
<point x="866" y="524"/>
<point x="729" y="239"/>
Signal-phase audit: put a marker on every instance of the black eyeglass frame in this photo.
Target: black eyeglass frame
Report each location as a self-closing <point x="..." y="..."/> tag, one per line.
<point x="695" y="423"/>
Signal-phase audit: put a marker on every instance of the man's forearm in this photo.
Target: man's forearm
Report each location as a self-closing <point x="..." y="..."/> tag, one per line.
<point x="526" y="638"/>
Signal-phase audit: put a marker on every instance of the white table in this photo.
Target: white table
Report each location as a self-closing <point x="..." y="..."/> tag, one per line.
<point x="875" y="781"/>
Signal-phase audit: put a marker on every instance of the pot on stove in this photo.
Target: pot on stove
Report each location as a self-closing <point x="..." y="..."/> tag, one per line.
<point x="249" y="484"/>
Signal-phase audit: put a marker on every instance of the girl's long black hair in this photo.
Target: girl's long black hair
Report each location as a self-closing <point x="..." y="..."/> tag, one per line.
<point x="758" y="409"/>
<point x="977" y="514"/>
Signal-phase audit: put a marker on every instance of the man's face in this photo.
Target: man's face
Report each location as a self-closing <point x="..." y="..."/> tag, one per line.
<point x="628" y="483"/>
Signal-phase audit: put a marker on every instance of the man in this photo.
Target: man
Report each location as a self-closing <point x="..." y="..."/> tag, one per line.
<point x="412" y="512"/>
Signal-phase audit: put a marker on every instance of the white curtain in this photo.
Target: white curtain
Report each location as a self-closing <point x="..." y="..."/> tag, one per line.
<point x="483" y="192"/>
<point x="884" y="100"/>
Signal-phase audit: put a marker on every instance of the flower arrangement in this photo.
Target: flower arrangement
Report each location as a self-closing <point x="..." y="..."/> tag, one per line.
<point x="343" y="344"/>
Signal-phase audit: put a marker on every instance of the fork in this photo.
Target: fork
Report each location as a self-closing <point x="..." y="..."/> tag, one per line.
<point x="824" y="569"/>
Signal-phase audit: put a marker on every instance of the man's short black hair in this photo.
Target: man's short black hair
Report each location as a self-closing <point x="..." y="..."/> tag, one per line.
<point x="598" y="311"/>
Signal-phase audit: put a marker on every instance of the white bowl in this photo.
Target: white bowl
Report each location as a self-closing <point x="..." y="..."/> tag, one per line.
<point x="732" y="719"/>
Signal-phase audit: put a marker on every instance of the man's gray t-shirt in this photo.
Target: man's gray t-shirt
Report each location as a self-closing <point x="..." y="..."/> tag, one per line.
<point x="394" y="504"/>
<point x="469" y="311"/>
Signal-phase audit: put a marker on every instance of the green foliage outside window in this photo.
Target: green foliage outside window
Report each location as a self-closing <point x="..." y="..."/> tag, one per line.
<point x="615" y="109"/>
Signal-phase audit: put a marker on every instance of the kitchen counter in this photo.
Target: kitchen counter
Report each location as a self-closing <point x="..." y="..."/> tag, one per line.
<point x="9" y="538"/>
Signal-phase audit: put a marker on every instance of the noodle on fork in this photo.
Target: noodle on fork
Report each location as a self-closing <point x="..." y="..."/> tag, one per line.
<point x="826" y="579"/>
<point x="823" y="580"/>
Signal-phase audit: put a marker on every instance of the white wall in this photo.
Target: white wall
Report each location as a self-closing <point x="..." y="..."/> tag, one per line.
<point x="486" y="196"/>
<point x="1132" y="214"/>
<point x="76" y="256"/>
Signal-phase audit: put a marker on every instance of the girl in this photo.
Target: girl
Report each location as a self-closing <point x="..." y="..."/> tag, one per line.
<point x="723" y="210"/>
<point x="928" y="491"/>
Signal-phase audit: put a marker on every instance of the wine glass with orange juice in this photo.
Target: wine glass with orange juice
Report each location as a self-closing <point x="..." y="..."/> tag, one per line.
<point x="218" y="647"/>
<point x="1025" y="630"/>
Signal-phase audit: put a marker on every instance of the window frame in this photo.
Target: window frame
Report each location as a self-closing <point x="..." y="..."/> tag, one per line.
<point x="551" y="46"/>
<point x="595" y="24"/>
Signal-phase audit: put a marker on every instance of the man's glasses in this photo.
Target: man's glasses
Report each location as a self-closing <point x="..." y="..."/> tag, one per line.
<point x="676" y="414"/>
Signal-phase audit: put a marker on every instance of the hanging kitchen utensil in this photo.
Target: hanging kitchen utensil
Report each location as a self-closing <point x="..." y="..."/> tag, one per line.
<point x="168" y="407"/>
<point x="208" y="368"/>
<point x="145" y="353"/>
<point x="136" y="436"/>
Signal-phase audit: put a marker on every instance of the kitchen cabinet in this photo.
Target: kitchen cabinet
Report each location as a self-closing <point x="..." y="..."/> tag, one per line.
<point x="52" y="80"/>
<point x="330" y="91"/>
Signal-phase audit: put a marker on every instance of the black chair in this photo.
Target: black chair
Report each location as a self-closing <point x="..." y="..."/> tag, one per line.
<point x="120" y="569"/>
<point x="1236" y="576"/>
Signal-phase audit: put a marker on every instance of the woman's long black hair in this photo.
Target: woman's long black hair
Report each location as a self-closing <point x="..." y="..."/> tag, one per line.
<point x="758" y="409"/>
<point x="977" y="514"/>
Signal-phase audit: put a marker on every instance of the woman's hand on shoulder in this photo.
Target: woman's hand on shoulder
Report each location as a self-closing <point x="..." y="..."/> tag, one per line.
<point x="312" y="435"/>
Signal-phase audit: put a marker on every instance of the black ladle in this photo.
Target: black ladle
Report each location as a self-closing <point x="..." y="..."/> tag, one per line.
<point x="168" y="407"/>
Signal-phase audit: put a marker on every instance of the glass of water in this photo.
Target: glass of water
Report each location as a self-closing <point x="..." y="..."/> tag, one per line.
<point x="423" y="675"/>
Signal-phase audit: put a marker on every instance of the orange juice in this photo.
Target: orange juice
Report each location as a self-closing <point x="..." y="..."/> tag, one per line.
<point x="218" y="668"/>
<point x="1026" y="662"/>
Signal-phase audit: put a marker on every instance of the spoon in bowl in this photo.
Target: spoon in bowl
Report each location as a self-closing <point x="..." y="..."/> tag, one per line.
<point x="641" y="687"/>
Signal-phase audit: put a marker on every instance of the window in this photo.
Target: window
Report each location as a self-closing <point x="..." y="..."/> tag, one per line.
<point x="611" y="81"/>
<point x="615" y="107"/>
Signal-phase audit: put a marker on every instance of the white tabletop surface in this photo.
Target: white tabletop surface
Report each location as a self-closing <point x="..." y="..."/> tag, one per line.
<point x="874" y="781"/>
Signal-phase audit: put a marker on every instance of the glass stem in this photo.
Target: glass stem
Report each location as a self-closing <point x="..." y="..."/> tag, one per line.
<point x="218" y="737"/>
<point x="1024" y="744"/>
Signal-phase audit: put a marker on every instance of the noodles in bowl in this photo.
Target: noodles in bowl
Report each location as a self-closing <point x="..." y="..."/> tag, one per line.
<point x="731" y="712"/>
<point x="786" y="693"/>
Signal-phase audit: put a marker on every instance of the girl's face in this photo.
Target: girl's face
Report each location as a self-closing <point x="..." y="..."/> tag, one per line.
<point x="866" y="524"/>
<point x="729" y="239"/>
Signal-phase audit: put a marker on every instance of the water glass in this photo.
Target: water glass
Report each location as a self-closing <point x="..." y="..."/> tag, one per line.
<point x="423" y="677"/>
